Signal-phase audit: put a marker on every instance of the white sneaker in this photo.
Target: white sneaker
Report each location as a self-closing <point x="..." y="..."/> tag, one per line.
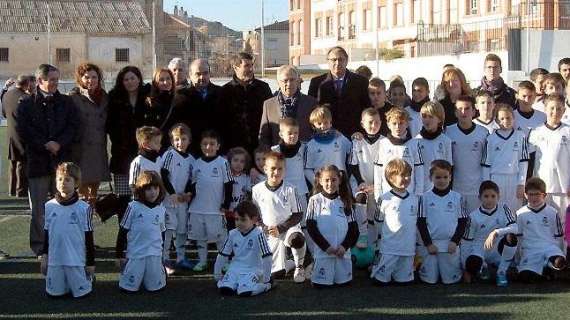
<point x="289" y="265"/>
<point x="309" y="270"/>
<point x="299" y="275"/>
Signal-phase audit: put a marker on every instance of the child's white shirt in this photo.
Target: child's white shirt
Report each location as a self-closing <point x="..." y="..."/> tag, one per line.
<point x="482" y="222"/>
<point x="209" y="178"/>
<point x="442" y="214"/>
<point x="141" y="164"/>
<point x="529" y="121"/>
<point x="295" y="169"/>
<point x="398" y="216"/>
<point x="179" y="168"/>
<point x="552" y="147"/>
<point x="240" y="190"/>
<point x="365" y="155"/>
<point x="491" y="126"/>
<point x="434" y="149"/>
<point x="278" y="205"/>
<point x="337" y="152"/>
<point x="145" y="227"/>
<point x="248" y="251"/>
<point x="506" y="155"/>
<point x="538" y="229"/>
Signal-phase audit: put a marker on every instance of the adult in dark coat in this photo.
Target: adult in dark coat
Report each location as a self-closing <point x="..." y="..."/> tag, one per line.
<point x="199" y="104"/>
<point x="494" y="84"/>
<point x="125" y="115"/>
<point x="453" y="85"/>
<point x="18" y="180"/>
<point x="345" y="91"/>
<point x="241" y="103"/>
<point x="47" y="122"/>
<point x="289" y="102"/>
<point x="178" y="68"/>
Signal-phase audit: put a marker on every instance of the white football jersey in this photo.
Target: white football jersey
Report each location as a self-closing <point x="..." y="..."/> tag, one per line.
<point x="415" y="124"/>
<point x="482" y="222"/>
<point x="538" y="105"/>
<point x="331" y="219"/>
<point x="491" y="126"/>
<point x="442" y="213"/>
<point x="538" y="229"/>
<point x="529" y="121"/>
<point x="409" y="152"/>
<point x="503" y="155"/>
<point x="551" y="164"/>
<point x="566" y="116"/>
<point x="240" y="190"/>
<point x="467" y="148"/>
<point x="259" y="178"/>
<point x="141" y="164"/>
<point x="248" y="250"/>
<point x="66" y="226"/>
<point x="398" y="217"/>
<point x="209" y="178"/>
<point x="276" y="206"/>
<point x="145" y="226"/>
<point x="434" y="149"/>
<point x="365" y="155"/>
<point x="179" y="167"/>
<point x="295" y="169"/>
<point x="337" y="153"/>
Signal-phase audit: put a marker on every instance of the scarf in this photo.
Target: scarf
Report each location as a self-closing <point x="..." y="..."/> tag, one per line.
<point x="288" y="105"/>
<point x="372" y="138"/>
<point x="399" y="141"/>
<point x="495" y="87"/>
<point x="66" y="202"/>
<point x="430" y="135"/>
<point x="417" y="106"/>
<point x="289" y="151"/>
<point x="325" y="137"/>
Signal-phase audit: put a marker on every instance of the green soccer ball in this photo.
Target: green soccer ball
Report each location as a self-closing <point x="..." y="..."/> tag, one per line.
<point x="362" y="257"/>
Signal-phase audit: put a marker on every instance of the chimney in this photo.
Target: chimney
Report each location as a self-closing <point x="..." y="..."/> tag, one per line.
<point x="186" y="15"/>
<point x="181" y="11"/>
<point x="175" y="10"/>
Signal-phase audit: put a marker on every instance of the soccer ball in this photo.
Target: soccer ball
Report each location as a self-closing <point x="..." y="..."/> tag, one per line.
<point x="362" y="257"/>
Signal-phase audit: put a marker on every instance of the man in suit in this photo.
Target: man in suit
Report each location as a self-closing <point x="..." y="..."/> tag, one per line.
<point x="18" y="180"/>
<point x="345" y="91"/>
<point x="289" y="102"/>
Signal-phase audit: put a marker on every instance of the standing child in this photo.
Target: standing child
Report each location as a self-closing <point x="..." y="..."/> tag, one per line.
<point x="397" y="93"/>
<point x="239" y="161"/>
<point x="397" y="217"/>
<point x="485" y="104"/>
<point x="332" y="227"/>
<point x="377" y="95"/>
<point x="433" y="143"/>
<point x="398" y="144"/>
<point x="554" y="84"/>
<point x="441" y="225"/>
<point x="281" y="214"/>
<point x="257" y="174"/>
<point x="249" y="272"/>
<point x="467" y="145"/>
<point x="176" y="168"/>
<point x="540" y="231"/>
<point x="526" y="118"/>
<point x="327" y="147"/>
<point x="149" y="141"/>
<point x="141" y="233"/>
<point x="551" y="142"/>
<point x="212" y="187"/>
<point x="364" y="155"/>
<point x="505" y="160"/>
<point x="68" y="259"/>
<point x="537" y="78"/>
<point x="420" y="96"/>
<point x="490" y="237"/>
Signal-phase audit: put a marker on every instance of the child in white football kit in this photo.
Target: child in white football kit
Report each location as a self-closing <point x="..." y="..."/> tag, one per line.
<point x="540" y="232"/>
<point x="141" y="233"/>
<point x="398" y="144"/>
<point x="490" y="238"/>
<point x="505" y="160"/>
<point x="249" y="272"/>
<point x="327" y="146"/>
<point x="257" y="174"/>
<point x="364" y="155"/>
<point x="485" y="104"/>
<point x="526" y="118"/>
<point x="397" y="217"/>
<point x="420" y="96"/>
<point x="176" y="168"/>
<point x="551" y="143"/>
<point x="68" y="259"/>
<point x="239" y="160"/>
<point x="433" y="143"/>
<point x="441" y="225"/>
<point x="467" y="144"/>
<point x="212" y="187"/>
<point x="281" y="214"/>
<point x="149" y="143"/>
<point x="331" y="225"/>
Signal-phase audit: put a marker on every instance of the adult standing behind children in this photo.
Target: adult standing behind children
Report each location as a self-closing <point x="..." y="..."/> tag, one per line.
<point x="493" y="83"/>
<point x="454" y="85"/>
<point x="345" y="91"/>
<point x="48" y="123"/>
<point x="242" y="104"/>
<point x="288" y="103"/>
<point x="89" y="151"/>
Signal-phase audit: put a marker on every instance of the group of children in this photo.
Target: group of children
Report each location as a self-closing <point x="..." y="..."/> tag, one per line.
<point x="445" y="203"/>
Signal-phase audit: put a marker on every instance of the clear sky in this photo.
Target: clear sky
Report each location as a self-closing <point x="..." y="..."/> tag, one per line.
<point x="239" y="15"/>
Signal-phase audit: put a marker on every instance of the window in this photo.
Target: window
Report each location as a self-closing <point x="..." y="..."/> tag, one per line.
<point x="399" y="21"/>
<point x="382" y="17"/>
<point x="472" y="6"/>
<point x="298" y="31"/>
<point x="298" y="4"/>
<point x="367" y="20"/>
<point x="494" y="5"/>
<point x="291" y="33"/>
<point x="291" y="5"/>
<point x="329" y="26"/>
<point x="122" y="55"/>
<point x="318" y="27"/>
<point x="63" y="55"/>
<point x="4" y="55"/>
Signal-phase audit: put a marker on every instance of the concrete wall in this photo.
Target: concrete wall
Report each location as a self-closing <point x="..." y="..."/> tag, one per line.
<point x="101" y="51"/>
<point x="546" y="48"/>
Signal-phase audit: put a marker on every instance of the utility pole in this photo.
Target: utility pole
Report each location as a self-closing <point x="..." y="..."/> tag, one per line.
<point x="48" y="32"/>
<point x="154" y="62"/>
<point x="262" y="44"/>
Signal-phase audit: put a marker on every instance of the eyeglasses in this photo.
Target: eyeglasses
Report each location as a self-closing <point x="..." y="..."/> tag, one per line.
<point x="333" y="60"/>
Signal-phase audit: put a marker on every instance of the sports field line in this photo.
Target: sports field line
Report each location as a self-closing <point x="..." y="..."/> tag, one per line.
<point x="8" y="218"/>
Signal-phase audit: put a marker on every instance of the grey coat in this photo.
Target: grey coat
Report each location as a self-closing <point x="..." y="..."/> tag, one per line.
<point x="269" y="126"/>
<point x="9" y="106"/>
<point x="89" y="150"/>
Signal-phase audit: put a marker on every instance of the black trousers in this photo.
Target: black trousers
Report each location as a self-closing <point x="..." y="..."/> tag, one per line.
<point x="18" y="179"/>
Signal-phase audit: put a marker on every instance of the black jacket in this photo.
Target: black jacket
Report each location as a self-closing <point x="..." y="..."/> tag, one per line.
<point x="10" y="103"/>
<point x="347" y="107"/>
<point x="242" y="108"/>
<point x="122" y="123"/>
<point x="41" y="120"/>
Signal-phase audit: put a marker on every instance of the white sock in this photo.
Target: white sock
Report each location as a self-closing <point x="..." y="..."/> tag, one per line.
<point x="299" y="255"/>
<point x="506" y="258"/>
<point x="361" y="218"/>
<point x="260" y="288"/>
<point x="202" y="251"/>
<point x="180" y="243"/>
<point x="168" y="235"/>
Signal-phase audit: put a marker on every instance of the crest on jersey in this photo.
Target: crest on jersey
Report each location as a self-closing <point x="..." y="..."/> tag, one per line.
<point x="564" y="140"/>
<point x="440" y="147"/>
<point x="250" y="243"/>
<point x="336" y="146"/>
<point x="545" y="221"/>
<point x="322" y="272"/>
<point x="449" y="205"/>
<point x="432" y="204"/>
<point x="483" y="226"/>
<point x="497" y="148"/>
<point x="156" y="219"/>
<point x="73" y="218"/>
<point x="406" y="152"/>
<point x="132" y="279"/>
<point x="319" y="150"/>
<point x="215" y="172"/>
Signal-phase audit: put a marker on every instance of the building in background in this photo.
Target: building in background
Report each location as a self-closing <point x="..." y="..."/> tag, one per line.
<point x="275" y="43"/>
<point x="299" y="30"/>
